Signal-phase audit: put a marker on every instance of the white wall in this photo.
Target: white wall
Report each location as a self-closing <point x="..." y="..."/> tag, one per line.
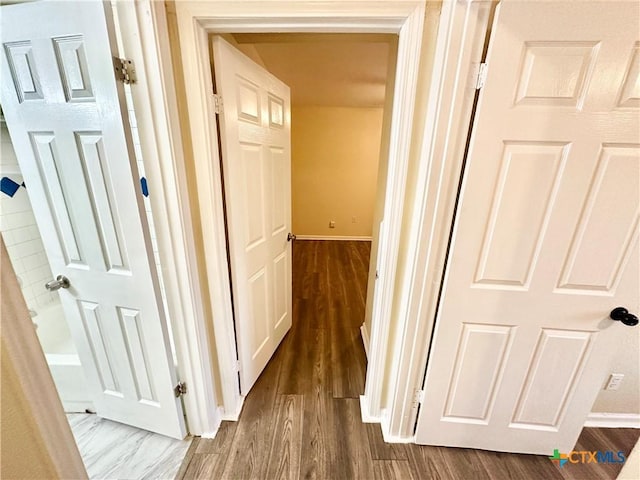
<point x="20" y="233"/>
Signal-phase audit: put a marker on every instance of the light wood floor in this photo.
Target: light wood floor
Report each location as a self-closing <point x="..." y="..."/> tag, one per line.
<point x="111" y="450"/>
<point x="302" y="418"/>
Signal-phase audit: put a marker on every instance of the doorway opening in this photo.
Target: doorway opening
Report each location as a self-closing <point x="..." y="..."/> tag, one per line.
<point x="340" y="89"/>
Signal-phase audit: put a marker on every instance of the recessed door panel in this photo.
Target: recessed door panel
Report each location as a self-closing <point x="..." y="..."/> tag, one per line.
<point x="73" y="68"/>
<point x="480" y="361"/>
<point x="100" y="348"/>
<point x="24" y="72"/>
<point x="524" y="197"/>
<point x="47" y="158"/>
<point x="281" y="289"/>
<point x="253" y="177"/>
<point x="101" y="194"/>
<point x="557" y="364"/>
<point x="630" y="91"/>
<point x="608" y="226"/>
<point x="133" y="334"/>
<point x="556" y="73"/>
<point x="279" y="179"/>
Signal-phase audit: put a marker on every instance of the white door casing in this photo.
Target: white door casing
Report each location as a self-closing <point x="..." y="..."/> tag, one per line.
<point x="64" y="110"/>
<point x="546" y="237"/>
<point x="255" y="135"/>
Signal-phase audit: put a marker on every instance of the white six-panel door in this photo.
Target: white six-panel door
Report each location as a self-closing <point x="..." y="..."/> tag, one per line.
<point x="255" y="133"/>
<point x="64" y="110"/>
<point x="546" y="237"/>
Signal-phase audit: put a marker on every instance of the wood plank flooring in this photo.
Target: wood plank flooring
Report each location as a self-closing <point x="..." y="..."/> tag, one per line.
<point x="302" y="418"/>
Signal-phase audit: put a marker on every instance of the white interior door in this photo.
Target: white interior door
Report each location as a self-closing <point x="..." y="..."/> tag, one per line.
<point x="255" y="132"/>
<point x="64" y="110"/>
<point x="546" y="237"/>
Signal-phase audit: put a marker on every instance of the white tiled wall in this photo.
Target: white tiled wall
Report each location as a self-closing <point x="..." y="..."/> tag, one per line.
<point x="21" y="235"/>
<point x="147" y="204"/>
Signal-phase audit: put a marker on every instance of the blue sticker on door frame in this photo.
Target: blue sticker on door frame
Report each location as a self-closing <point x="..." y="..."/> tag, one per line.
<point x="144" y="186"/>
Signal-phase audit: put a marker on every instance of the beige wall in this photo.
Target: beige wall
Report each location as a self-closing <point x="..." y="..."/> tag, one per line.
<point x="383" y="164"/>
<point x="23" y="454"/>
<point x="626" y="360"/>
<point x="26" y="391"/>
<point x="334" y="168"/>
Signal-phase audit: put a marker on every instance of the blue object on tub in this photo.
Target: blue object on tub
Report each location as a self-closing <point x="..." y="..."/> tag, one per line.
<point x="8" y="186"/>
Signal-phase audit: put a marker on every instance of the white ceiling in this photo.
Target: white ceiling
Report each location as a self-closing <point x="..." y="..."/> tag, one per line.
<point x="325" y="69"/>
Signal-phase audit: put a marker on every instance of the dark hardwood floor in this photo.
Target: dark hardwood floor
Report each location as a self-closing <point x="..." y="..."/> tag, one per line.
<point x="302" y="417"/>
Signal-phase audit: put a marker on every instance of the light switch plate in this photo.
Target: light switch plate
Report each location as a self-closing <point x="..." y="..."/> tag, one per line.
<point x="615" y="379"/>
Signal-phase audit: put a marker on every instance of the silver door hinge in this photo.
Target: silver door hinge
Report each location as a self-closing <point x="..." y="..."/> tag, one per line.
<point x="217" y="103"/>
<point x="180" y="389"/>
<point x="482" y="76"/>
<point x="419" y="397"/>
<point x="237" y="365"/>
<point x="125" y="71"/>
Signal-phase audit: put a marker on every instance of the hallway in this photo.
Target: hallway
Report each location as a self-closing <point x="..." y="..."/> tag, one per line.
<point x="302" y="417"/>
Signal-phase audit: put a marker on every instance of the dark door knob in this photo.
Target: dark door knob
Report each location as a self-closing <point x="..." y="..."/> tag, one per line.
<point x="622" y="314"/>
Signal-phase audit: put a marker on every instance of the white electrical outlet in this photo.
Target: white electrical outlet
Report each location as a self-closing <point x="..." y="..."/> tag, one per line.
<point x="615" y="379"/>
<point x="332" y="224"/>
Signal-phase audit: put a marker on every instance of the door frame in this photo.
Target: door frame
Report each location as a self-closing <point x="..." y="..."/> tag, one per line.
<point x="463" y="33"/>
<point x="143" y="29"/>
<point x="196" y="21"/>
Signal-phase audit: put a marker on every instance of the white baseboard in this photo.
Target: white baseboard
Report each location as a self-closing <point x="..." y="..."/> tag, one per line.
<point x="613" y="420"/>
<point x="233" y="416"/>
<point x="333" y="237"/>
<point x="388" y="438"/>
<point x="78" y="407"/>
<point x="365" y="338"/>
<point x="214" y="432"/>
<point x="364" y="416"/>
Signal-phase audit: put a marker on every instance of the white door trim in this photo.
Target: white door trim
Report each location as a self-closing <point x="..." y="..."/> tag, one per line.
<point x="143" y="27"/>
<point x="196" y="20"/>
<point x="458" y="53"/>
